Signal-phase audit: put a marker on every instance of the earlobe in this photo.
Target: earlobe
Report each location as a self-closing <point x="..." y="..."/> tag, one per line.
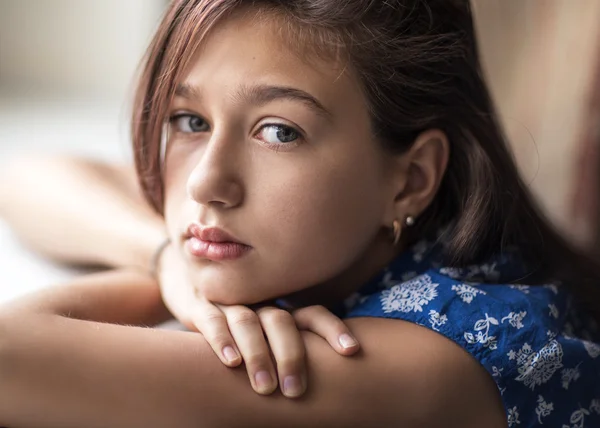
<point x="397" y="228"/>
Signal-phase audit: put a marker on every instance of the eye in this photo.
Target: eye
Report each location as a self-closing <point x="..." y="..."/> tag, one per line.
<point x="189" y="123"/>
<point x="278" y="134"/>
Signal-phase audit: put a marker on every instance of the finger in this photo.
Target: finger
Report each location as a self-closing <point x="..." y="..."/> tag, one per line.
<point x="211" y="322"/>
<point x="247" y="332"/>
<point x="321" y="321"/>
<point x="288" y="349"/>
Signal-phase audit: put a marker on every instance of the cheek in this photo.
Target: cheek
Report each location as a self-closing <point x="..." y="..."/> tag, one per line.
<point x="175" y="182"/>
<point x="322" y="220"/>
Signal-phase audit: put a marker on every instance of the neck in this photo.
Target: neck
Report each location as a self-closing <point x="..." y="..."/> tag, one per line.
<point x="336" y="289"/>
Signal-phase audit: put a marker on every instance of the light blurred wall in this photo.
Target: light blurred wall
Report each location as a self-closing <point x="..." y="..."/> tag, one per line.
<point x="73" y="47"/>
<point x="541" y="57"/>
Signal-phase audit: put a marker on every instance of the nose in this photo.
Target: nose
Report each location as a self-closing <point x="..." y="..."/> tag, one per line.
<point x="216" y="180"/>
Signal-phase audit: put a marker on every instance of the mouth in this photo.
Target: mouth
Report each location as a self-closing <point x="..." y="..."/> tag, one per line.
<point x="212" y="243"/>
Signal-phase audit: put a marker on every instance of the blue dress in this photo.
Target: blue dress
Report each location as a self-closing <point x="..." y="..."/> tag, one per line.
<point x="543" y="354"/>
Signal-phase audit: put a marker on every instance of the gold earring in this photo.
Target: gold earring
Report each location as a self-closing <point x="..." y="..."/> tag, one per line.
<point x="397" y="230"/>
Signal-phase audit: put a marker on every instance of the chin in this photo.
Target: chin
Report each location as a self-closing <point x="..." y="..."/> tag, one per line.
<point x="226" y="290"/>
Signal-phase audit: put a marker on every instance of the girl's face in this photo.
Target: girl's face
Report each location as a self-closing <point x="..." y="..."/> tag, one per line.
<point x="274" y="181"/>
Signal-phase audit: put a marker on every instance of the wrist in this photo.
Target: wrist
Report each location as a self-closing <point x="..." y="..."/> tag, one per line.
<point x="137" y="245"/>
<point x="154" y="266"/>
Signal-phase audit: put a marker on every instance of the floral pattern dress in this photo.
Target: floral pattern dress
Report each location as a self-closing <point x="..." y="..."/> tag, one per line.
<point x="542" y="353"/>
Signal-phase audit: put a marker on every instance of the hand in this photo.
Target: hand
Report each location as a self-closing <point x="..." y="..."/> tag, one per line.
<point x="237" y="333"/>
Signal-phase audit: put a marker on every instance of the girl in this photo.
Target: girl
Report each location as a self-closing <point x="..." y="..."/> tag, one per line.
<point x="308" y="152"/>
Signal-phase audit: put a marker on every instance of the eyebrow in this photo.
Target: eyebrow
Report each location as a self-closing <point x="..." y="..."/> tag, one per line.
<point x="260" y="95"/>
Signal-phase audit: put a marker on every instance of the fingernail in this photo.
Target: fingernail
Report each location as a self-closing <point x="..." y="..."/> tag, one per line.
<point x="347" y="341"/>
<point x="263" y="381"/>
<point x="230" y="354"/>
<point x="292" y="386"/>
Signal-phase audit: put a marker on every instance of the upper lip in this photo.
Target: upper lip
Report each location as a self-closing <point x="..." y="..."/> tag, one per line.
<point x="210" y="234"/>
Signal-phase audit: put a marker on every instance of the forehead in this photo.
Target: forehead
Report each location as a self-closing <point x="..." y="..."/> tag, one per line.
<point x="249" y="49"/>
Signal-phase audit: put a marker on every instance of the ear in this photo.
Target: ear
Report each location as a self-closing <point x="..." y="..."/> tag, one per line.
<point x="417" y="175"/>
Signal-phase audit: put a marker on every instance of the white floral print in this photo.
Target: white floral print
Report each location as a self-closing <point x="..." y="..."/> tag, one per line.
<point x="553" y="310"/>
<point x="513" y="417"/>
<point x="419" y="250"/>
<point x="568" y="376"/>
<point x="519" y="334"/>
<point x="515" y="319"/>
<point x="466" y="292"/>
<point x="543" y="409"/>
<point x="521" y="355"/>
<point x="409" y="296"/>
<point x="537" y="368"/>
<point x="482" y="336"/>
<point x="454" y="273"/>
<point x="437" y="320"/>
<point x="577" y="419"/>
<point x="522" y="288"/>
<point x="593" y="349"/>
<point x="489" y="272"/>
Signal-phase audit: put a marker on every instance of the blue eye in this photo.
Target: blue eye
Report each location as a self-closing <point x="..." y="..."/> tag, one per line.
<point x="188" y="123"/>
<point x="278" y="134"/>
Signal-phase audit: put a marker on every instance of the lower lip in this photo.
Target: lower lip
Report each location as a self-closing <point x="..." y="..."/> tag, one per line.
<point x="216" y="250"/>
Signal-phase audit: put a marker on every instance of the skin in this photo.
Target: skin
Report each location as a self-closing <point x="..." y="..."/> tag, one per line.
<point x="294" y="207"/>
<point x="295" y="202"/>
<point x="108" y="373"/>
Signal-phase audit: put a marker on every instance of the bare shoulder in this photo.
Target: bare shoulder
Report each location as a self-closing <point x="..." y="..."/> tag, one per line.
<point x="405" y="375"/>
<point x="426" y="376"/>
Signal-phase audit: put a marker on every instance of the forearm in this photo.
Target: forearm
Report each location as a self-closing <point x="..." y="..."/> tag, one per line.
<point x="79" y="211"/>
<point x="74" y="373"/>
<point x="56" y="371"/>
<point x="60" y="367"/>
<point x="63" y="364"/>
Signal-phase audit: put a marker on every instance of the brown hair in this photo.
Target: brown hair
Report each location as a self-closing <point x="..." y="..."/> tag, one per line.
<point x="418" y="65"/>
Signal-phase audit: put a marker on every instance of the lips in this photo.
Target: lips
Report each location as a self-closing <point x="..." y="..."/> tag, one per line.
<point x="214" y="244"/>
<point x="210" y="234"/>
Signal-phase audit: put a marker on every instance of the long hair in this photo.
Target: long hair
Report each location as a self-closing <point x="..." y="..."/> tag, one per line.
<point x="418" y="65"/>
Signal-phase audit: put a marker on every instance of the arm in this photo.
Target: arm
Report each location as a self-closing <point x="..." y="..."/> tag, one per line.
<point x="59" y="371"/>
<point x="94" y="214"/>
<point x="58" y="206"/>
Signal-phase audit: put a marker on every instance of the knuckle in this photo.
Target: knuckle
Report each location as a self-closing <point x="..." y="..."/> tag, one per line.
<point x="219" y="339"/>
<point x="311" y="311"/>
<point x="244" y="318"/>
<point x="257" y="359"/>
<point x="266" y="309"/>
<point x="276" y="316"/>
<point x="320" y="309"/>
<point x="214" y="317"/>
<point x="291" y="364"/>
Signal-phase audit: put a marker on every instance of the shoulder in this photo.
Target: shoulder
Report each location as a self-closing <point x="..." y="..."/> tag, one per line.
<point x="415" y="375"/>
<point x="404" y="375"/>
<point x="525" y="337"/>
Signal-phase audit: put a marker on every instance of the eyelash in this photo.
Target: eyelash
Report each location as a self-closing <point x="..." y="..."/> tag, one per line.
<point x="300" y="136"/>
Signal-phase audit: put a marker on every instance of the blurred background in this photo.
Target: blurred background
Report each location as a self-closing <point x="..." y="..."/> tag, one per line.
<point x="67" y="69"/>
